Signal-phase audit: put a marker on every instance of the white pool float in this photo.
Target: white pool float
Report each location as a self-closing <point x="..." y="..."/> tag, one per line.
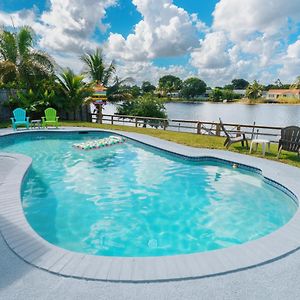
<point x="101" y="143"/>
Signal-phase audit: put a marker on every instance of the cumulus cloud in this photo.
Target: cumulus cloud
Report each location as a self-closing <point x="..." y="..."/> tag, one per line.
<point x="243" y="18"/>
<point x="19" y="18"/>
<point x="147" y="71"/>
<point x="212" y="53"/>
<point x="165" y="30"/>
<point x="67" y="26"/>
<point x="249" y="39"/>
<point x="250" y="44"/>
<point x="291" y="62"/>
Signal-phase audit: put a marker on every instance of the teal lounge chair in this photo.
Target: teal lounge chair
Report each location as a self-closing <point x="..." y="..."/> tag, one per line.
<point x="50" y="118"/>
<point x="19" y="118"/>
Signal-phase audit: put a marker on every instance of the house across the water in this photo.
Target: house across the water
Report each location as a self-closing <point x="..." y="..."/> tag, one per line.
<point x="276" y="94"/>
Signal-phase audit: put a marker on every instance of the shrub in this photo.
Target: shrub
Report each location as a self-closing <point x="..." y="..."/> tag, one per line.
<point x="145" y="106"/>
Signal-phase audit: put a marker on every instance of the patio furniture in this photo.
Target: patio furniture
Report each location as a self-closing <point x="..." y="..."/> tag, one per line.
<point x="230" y="139"/>
<point x="19" y="118"/>
<point x="264" y="143"/>
<point x="50" y="118"/>
<point x="34" y="123"/>
<point x="290" y="140"/>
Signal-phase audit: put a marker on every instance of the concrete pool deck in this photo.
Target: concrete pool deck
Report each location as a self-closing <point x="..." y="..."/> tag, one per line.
<point x="186" y="266"/>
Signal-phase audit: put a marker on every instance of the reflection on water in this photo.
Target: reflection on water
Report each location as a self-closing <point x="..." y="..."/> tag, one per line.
<point x="132" y="200"/>
<point x="262" y="114"/>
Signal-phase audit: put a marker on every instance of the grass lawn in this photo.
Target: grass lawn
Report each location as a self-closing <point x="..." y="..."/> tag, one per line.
<point x="195" y="140"/>
<point x="190" y="139"/>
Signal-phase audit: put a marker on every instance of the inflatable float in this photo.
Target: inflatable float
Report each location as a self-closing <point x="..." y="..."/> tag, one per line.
<point x="97" y="144"/>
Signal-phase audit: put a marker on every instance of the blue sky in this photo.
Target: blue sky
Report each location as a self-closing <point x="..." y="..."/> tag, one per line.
<point x="216" y="40"/>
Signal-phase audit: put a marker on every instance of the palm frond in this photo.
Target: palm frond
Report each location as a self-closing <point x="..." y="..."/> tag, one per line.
<point x="8" y="71"/>
<point x="296" y="83"/>
<point x="25" y="39"/>
<point x="109" y="72"/>
<point x="8" y="46"/>
<point x="123" y="81"/>
<point x="44" y="60"/>
<point x="95" y="67"/>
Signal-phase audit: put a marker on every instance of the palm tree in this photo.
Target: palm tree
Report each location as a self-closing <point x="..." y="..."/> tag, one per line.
<point x="73" y="89"/>
<point x="95" y="67"/>
<point x="19" y="61"/>
<point x="296" y="83"/>
<point x="254" y="90"/>
<point x="119" y="91"/>
<point x="169" y="83"/>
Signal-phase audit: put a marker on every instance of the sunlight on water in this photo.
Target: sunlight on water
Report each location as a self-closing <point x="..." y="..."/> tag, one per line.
<point x="132" y="200"/>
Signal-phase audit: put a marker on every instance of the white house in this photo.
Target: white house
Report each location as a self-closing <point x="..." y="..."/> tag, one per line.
<point x="275" y="94"/>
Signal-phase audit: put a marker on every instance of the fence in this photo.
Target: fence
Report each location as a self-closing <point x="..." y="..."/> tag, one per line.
<point x="5" y="112"/>
<point x="199" y="127"/>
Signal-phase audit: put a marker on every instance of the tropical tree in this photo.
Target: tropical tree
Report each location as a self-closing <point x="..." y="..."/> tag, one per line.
<point x="254" y="90"/>
<point x="120" y="89"/>
<point x="239" y="84"/>
<point x="147" y="87"/>
<point x="169" y="83"/>
<point x="230" y="95"/>
<point x="193" y="87"/>
<point x="278" y="83"/>
<point x="144" y="106"/>
<point x="19" y="61"/>
<point x="216" y="95"/>
<point x="35" y="100"/>
<point x="73" y="90"/>
<point x="228" y="87"/>
<point x="95" y="67"/>
<point x="296" y="83"/>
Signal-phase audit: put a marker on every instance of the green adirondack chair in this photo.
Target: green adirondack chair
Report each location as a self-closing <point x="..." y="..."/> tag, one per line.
<point x="19" y="118"/>
<point x="50" y="118"/>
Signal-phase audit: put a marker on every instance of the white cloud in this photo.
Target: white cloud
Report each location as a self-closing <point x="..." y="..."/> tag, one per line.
<point x="293" y="50"/>
<point x="165" y="30"/>
<point x="243" y="18"/>
<point x="247" y="39"/>
<point x="200" y="25"/>
<point x="147" y="71"/>
<point x="66" y="29"/>
<point x="17" y="19"/>
<point x="212" y="53"/>
<point x="291" y="62"/>
<point x="69" y="24"/>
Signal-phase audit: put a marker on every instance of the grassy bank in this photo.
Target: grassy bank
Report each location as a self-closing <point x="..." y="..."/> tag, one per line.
<point x="290" y="101"/>
<point x="182" y="100"/>
<point x="284" y="100"/>
<point x="198" y="141"/>
<point x="190" y="139"/>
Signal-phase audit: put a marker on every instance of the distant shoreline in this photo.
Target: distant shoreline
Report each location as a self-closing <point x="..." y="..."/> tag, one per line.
<point x="244" y="102"/>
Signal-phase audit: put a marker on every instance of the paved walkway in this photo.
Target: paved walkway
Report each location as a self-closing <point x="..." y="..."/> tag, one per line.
<point x="278" y="280"/>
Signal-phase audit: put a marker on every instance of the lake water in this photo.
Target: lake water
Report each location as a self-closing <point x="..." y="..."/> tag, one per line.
<point x="262" y="114"/>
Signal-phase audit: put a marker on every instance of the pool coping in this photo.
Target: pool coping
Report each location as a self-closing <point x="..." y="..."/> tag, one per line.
<point x="33" y="249"/>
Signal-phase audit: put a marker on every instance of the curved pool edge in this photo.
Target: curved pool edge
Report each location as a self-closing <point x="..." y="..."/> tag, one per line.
<point x="33" y="249"/>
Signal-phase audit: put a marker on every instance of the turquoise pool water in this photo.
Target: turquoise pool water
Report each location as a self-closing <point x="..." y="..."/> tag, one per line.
<point x="133" y="200"/>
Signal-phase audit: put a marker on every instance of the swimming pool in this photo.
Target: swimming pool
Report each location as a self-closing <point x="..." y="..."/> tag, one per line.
<point x="133" y="200"/>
